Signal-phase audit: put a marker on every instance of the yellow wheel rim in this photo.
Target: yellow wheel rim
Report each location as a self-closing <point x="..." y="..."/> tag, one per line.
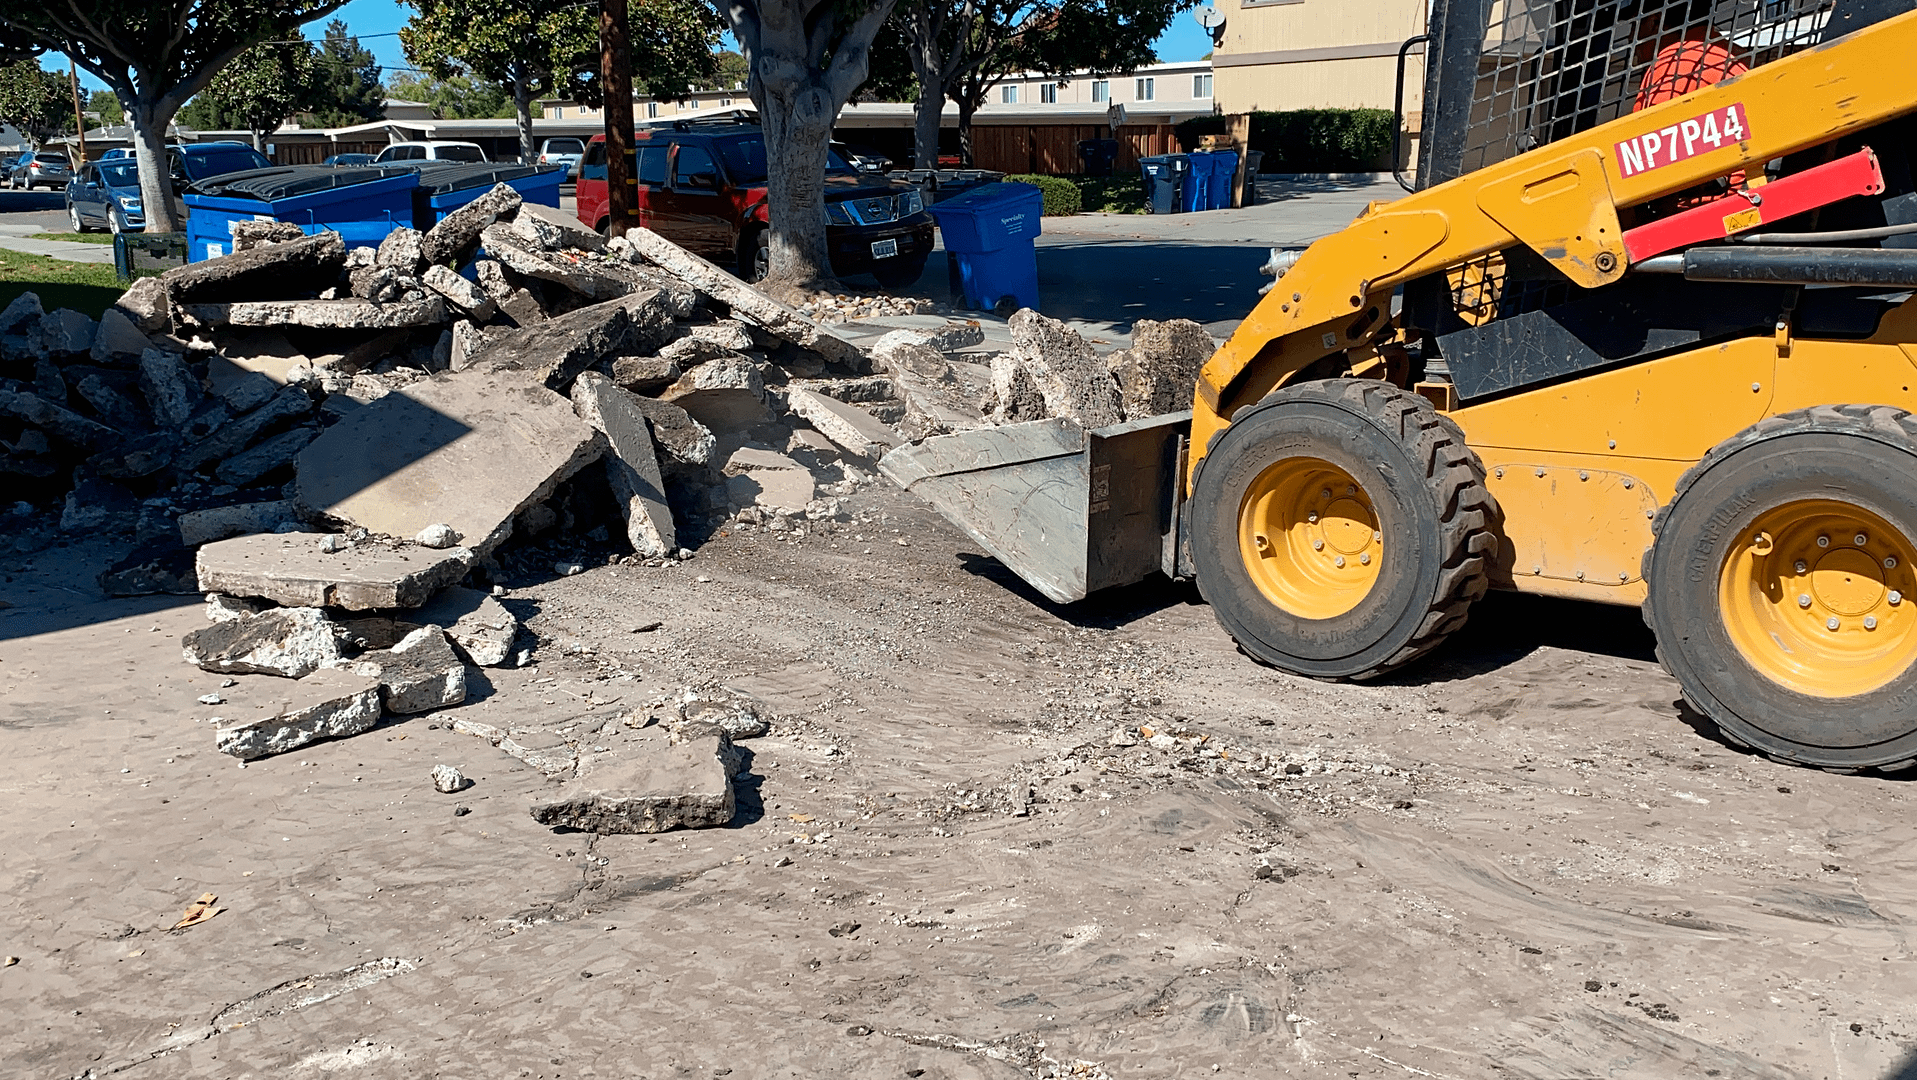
<point x="1309" y="538"/>
<point x="1816" y="595"/>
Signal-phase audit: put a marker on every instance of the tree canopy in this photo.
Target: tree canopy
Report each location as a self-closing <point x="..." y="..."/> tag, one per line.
<point x="261" y="89"/>
<point x="461" y="97"/>
<point x="106" y="105"/>
<point x="347" y="89"/>
<point x="38" y="102"/>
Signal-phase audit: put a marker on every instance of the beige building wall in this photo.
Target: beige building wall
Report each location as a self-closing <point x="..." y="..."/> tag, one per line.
<point x="1309" y="54"/>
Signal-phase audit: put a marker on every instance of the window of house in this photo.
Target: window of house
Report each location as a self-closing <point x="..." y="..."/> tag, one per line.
<point x="1101" y="90"/>
<point x="1048" y="94"/>
<point x="652" y="110"/>
<point x="1201" y="86"/>
<point x="1144" y="89"/>
<point x="1008" y="94"/>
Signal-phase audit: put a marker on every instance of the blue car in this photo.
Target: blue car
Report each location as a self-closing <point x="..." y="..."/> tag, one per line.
<point x="106" y="195"/>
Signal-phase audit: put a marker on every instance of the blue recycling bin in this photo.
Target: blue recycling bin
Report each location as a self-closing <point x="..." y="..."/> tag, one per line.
<point x="1165" y="175"/>
<point x="446" y="187"/>
<point x="1224" y="170"/>
<point x="360" y="202"/>
<point x="988" y="235"/>
<point x="1197" y="193"/>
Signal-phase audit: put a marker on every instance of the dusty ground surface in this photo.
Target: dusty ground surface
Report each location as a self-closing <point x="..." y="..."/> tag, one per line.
<point x="1517" y="859"/>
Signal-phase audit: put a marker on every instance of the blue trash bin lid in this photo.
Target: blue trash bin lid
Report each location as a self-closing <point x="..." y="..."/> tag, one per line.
<point x="287" y="181"/>
<point x="437" y="178"/>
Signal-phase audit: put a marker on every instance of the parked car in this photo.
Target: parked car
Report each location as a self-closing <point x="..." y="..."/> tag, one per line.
<point x="106" y="194"/>
<point x="348" y="159"/>
<point x="46" y="168"/>
<point x="564" y="152"/>
<point x="189" y="163"/>
<point x="116" y="152"/>
<point x="430" y="151"/>
<point x="703" y="186"/>
<point x="863" y="158"/>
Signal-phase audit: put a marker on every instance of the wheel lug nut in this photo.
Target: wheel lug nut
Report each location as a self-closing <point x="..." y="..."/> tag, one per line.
<point x="1261" y="542"/>
<point x="1895" y="598"/>
<point x="1365" y="559"/>
<point x="1339" y="562"/>
<point x="1312" y="517"/>
<point x="1890" y="563"/>
<point x="1832" y="623"/>
<point x="1802" y="566"/>
<point x="1325" y="494"/>
<point x="1860" y="539"/>
<point x="1803" y="599"/>
<point x="1823" y="541"/>
<point x="1870" y="622"/>
<point x="1351" y="489"/>
<point x="1317" y="545"/>
<point x="1377" y="534"/>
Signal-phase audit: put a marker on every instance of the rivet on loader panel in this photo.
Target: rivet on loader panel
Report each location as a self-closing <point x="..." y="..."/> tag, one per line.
<point x="1641" y="332"/>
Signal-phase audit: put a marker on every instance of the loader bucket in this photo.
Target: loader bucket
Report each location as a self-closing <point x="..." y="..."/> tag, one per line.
<point x="1069" y="510"/>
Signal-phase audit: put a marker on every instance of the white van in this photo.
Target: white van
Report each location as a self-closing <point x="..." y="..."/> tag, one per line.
<point x="430" y="151"/>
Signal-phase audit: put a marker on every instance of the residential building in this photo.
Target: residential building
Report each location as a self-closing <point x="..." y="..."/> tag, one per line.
<point x="1308" y="54"/>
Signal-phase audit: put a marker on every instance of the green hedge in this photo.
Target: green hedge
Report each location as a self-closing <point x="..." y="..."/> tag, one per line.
<point x="1309" y="140"/>
<point x="1061" y="195"/>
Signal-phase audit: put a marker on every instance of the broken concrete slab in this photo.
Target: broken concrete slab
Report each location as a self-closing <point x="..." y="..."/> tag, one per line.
<point x="253" y="352"/>
<point x="510" y="250"/>
<point x="118" y="335"/>
<point x="724" y="394"/>
<point x="453" y="239"/>
<point x="236" y="434"/>
<point x="683" y="438"/>
<point x="448" y="780"/>
<point x="109" y="404"/>
<point x="62" y="424"/>
<point x="417" y="675"/>
<point x="1156" y="374"/>
<point x="479" y="625"/>
<point x="401" y="250"/>
<point x="462" y="294"/>
<point x="468" y="341"/>
<point x="632" y="464"/>
<point x="471" y="450"/>
<point x="725" y="335"/>
<point x="645" y="374"/>
<point x="667" y="785"/>
<point x="144" y="304"/>
<point x="289" y="641"/>
<point x="158" y="568"/>
<point x="908" y="352"/>
<point x="690" y="352"/>
<point x="379" y="284"/>
<point x="769" y="480"/>
<point x="743" y="299"/>
<point x="66" y="333"/>
<point x="273" y="453"/>
<point x="551" y="228"/>
<point x="95" y="505"/>
<point x="740" y="716"/>
<point x="852" y="428"/>
<point x="307" y="265"/>
<point x="251" y="234"/>
<point x="296" y="569"/>
<point x="328" y="704"/>
<point x="22" y="314"/>
<point x="141" y="455"/>
<point x="555" y="351"/>
<point x="1069" y="377"/>
<point x="223" y="608"/>
<point x="171" y="391"/>
<point x="353" y="314"/>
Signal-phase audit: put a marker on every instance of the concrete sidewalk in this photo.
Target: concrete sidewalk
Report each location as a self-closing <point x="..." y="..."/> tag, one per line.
<point x="16" y="237"/>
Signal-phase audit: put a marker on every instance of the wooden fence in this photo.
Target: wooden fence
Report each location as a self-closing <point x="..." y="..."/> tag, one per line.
<point x="312" y="153"/>
<point x="1052" y="149"/>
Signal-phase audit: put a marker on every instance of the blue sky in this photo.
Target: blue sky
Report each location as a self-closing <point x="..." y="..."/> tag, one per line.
<point x="376" y="23"/>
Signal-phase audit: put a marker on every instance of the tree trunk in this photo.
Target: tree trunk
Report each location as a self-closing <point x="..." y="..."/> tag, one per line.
<point x="797" y="121"/>
<point x="522" y="105"/>
<point x="149" y="150"/>
<point x="925" y="122"/>
<point x="966" y="109"/>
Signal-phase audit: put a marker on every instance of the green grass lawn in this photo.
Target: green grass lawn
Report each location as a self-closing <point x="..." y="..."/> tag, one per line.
<point x="87" y="287"/>
<point x="76" y="237"/>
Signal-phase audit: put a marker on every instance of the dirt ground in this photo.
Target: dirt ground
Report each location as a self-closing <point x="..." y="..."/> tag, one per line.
<point x="956" y="857"/>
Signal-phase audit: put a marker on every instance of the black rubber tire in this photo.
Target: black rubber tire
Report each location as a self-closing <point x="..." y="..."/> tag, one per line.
<point x="1862" y="454"/>
<point x="1428" y="491"/>
<point x="754" y="255"/>
<point x="899" y="275"/>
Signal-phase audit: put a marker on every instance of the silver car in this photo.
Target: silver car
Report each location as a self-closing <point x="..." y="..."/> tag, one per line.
<point x="46" y="168"/>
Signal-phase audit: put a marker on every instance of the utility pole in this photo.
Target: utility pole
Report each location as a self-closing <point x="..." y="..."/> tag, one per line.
<point x="79" y="118"/>
<point x="615" y="82"/>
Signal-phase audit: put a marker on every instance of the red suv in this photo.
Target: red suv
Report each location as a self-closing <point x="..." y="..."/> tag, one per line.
<point x="703" y="186"/>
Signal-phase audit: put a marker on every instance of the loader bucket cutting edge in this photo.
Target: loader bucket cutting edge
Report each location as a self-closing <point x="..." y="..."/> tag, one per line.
<point x="1068" y="510"/>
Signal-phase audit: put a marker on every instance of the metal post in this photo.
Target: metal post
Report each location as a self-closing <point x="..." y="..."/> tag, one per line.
<point x="79" y="118"/>
<point x="615" y="83"/>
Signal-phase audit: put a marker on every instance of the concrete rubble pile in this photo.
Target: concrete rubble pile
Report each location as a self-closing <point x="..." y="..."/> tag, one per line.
<point x="348" y="449"/>
<point x="1051" y="371"/>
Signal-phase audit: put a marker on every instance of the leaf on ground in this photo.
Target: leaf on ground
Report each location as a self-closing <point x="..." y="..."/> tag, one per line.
<point x="198" y="912"/>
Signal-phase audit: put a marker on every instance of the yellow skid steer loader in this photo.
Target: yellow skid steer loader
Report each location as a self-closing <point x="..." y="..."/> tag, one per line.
<point x="1643" y="334"/>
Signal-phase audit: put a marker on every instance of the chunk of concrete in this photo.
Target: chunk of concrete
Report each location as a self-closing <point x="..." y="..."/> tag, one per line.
<point x="66" y="333"/>
<point x="1157" y="374"/>
<point x="655" y="786"/>
<point x="141" y="455"/>
<point x="471" y="450"/>
<point x="632" y="465"/>
<point x="479" y="625"/>
<point x="769" y="480"/>
<point x="743" y="299"/>
<point x="684" y="439"/>
<point x="645" y="374"/>
<point x="62" y="424"/>
<point x="911" y="352"/>
<point x="144" y="304"/>
<point x="22" y="314"/>
<point x="1074" y="383"/>
<point x="248" y="235"/>
<point x="109" y="404"/>
<point x="726" y="335"/>
<point x="724" y="394"/>
<point x="380" y="284"/>
<point x="298" y="267"/>
<point x="238" y="433"/>
<point x="419" y="674"/>
<point x="401" y="250"/>
<point x="95" y="505"/>
<point x="119" y="335"/>
<point x="273" y="453"/>
<point x="448" y="780"/>
<point x="328" y="704"/>
<point x="296" y="569"/>
<point x="551" y="228"/>
<point x="510" y="250"/>
<point x="236" y="520"/>
<point x="353" y="314"/>
<point x="468" y="342"/>
<point x="290" y="641"/>
<point x="462" y="294"/>
<point x="223" y="608"/>
<point x="740" y="716"/>
<point x="852" y="428"/>
<point x="555" y="351"/>
<point x="171" y="391"/>
<point x="155" y="568"/>
<point x="453" y="239"/>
